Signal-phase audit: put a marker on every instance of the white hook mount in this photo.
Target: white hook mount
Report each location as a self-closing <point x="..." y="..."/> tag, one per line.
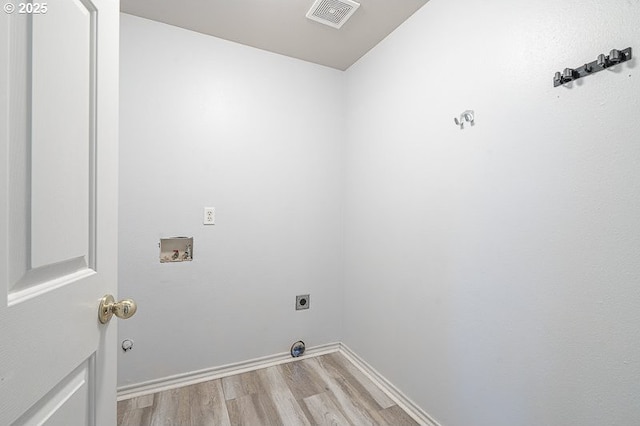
<point x="466" y="117"/>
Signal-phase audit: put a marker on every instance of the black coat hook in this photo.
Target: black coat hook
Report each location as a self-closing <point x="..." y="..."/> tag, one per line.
<point x="602" y="62"/>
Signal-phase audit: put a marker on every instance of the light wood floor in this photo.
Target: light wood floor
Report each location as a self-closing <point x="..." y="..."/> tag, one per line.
<point x="325" y="390"/>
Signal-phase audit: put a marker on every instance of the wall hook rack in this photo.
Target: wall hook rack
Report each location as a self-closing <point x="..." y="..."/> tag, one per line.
<point x="602" y="62"/>
<point x="466" y="117"/>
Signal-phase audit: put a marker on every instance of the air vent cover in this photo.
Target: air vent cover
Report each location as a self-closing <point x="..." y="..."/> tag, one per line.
<point x="332" y="12"/>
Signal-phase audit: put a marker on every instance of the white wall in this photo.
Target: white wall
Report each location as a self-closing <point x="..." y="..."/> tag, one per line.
<point x="497" y="269"/>
<point x="205" y="122"/>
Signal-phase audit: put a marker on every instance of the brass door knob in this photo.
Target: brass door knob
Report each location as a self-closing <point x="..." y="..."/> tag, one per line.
<point x="108" y="307"/>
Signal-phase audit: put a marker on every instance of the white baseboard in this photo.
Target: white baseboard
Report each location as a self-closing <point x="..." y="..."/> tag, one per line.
<point x="190" y="378"/>
<point x="413" y="409"/>
<point x="199" y="376"/>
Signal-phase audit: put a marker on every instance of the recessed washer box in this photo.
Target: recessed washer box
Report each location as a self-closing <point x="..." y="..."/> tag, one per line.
<point x="176" y="249"/>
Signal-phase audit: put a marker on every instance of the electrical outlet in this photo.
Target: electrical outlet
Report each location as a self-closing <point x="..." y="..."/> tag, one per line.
<point x="302" y="302"/>
<point x="209" y="216"/>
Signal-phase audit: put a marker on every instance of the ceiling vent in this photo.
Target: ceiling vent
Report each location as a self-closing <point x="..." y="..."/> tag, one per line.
<point x="332" y="12"/>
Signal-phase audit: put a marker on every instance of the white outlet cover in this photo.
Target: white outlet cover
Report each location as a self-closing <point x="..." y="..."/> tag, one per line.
<point x="209" y="217"/>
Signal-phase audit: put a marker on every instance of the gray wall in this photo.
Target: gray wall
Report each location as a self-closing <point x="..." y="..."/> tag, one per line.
<point x="205" y="122"/>
<point x="497" y="269"/>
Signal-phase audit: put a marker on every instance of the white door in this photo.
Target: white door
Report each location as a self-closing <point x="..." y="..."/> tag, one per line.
<point x="58" y="211"/>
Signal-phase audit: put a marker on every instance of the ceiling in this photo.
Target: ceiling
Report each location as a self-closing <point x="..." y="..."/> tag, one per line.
<point x="280" y="26"/>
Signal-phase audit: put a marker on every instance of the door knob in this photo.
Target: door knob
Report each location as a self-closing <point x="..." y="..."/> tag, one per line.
<point x="108" y="307"/>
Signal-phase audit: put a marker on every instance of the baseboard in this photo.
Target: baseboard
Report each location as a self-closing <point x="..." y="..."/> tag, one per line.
<point x="190" y="378"/>
<point x="393" y="392"/>
<point x="193" y="377"/>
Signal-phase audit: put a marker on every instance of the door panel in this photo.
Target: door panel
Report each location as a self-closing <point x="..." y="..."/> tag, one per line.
<point x="53" y="136"/>
<point x="58" y="213"/>
<point x="62" y="135"/>
<point x="67" y="404"/>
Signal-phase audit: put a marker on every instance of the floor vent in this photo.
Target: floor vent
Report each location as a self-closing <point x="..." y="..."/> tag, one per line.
<point x="332" y="12"/>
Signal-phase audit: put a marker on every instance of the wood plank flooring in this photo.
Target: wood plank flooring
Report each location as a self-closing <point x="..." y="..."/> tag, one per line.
<point x="325" y="390"/>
